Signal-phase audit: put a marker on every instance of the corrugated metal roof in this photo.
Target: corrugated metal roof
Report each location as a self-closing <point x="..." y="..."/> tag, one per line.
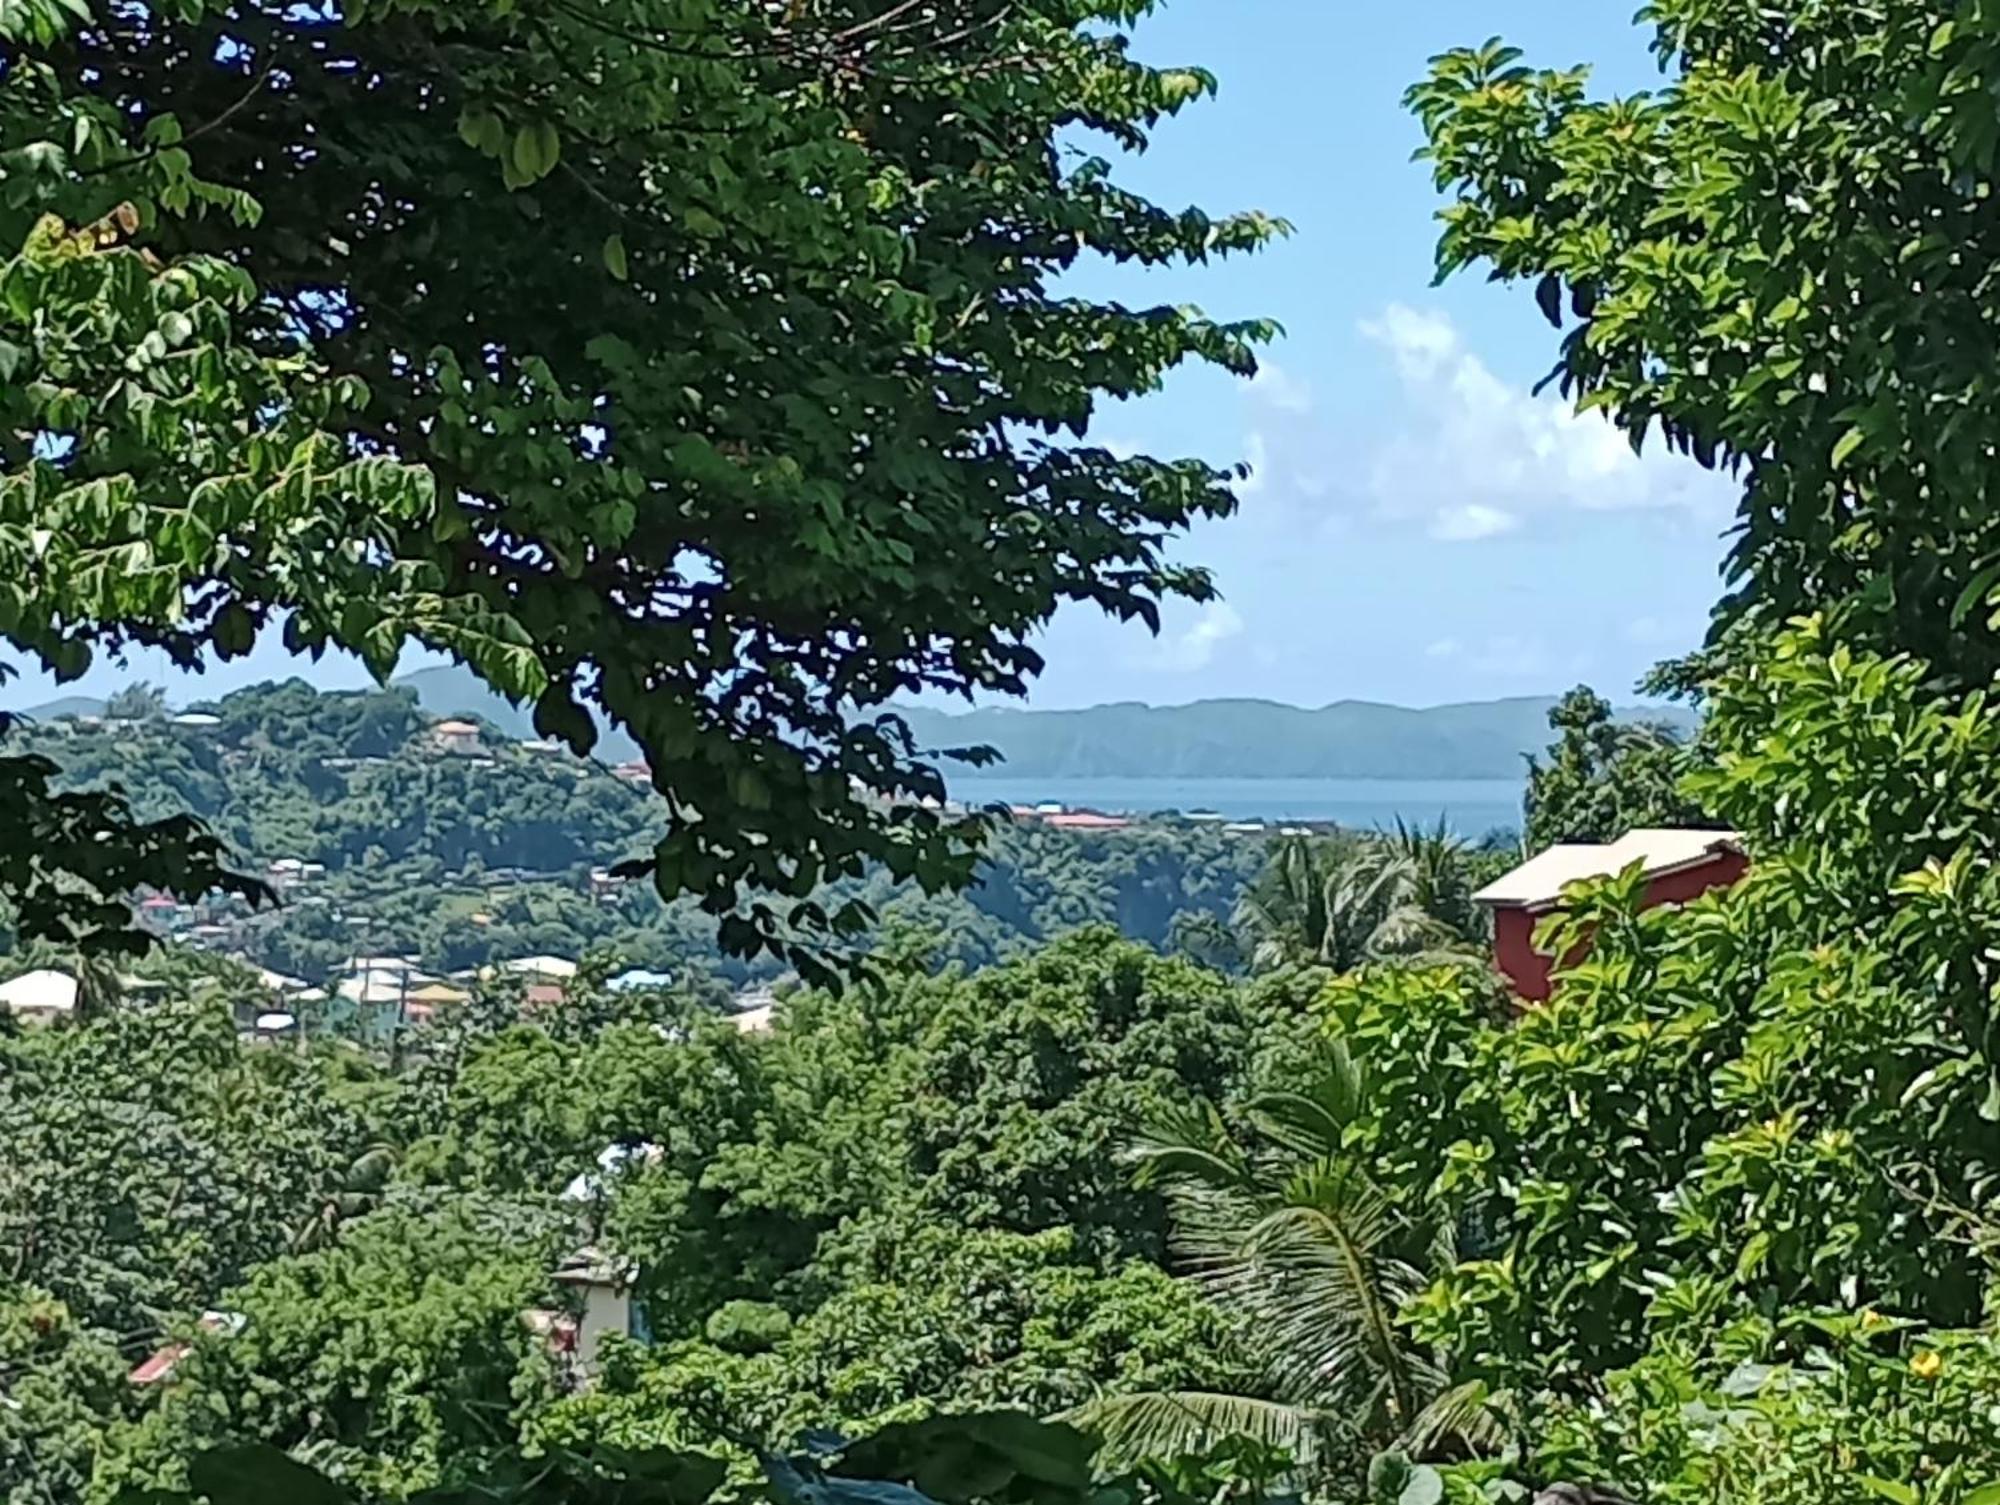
<point x="43" y="991"/>
<point x="1542" y="878"/>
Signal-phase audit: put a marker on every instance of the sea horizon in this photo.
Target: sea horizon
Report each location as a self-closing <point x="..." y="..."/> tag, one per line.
<point x="1470" y="807"/>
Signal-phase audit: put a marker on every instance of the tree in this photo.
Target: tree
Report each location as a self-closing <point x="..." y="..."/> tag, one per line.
<point x="1603" y="777"/>
<point x="1293" y="1235"/>
<point x="701" y="363"/>
<point x="1774" y="266"/>
<point x="1341" y="900"/>
<point x="137" y="702"/>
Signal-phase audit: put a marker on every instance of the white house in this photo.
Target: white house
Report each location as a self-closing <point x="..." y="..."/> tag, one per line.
<point x="40" y="997"/>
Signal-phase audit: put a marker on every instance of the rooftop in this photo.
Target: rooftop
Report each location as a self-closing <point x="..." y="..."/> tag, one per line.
<point x="1542" y="878"/>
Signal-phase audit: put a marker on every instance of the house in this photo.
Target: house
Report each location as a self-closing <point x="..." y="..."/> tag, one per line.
<point x="437" y="995"/>
<point x="1678" y="866"/>
<point x="43" y="996"/>
<point x="639" y="980"/>
<point x="541" y="968"/>
<point x="200" y="721"/>
<point x="604" y="1286"/>
<point x="455" y="737"/>
<point x="634" y="772"/>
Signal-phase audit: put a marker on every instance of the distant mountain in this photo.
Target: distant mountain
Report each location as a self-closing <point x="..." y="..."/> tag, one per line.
<point x="68" y="705"/>
<point x="451" y="690"/>
<point x="1350" y="739"/>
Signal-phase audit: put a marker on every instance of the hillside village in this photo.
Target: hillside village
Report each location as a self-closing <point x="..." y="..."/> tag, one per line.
<point x="412" y="861"/>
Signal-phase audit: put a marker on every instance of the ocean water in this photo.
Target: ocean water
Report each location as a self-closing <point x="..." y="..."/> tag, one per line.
<point x="1471" y="807"/>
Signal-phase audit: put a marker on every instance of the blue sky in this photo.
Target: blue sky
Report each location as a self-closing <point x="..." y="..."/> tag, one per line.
<point x="1419" y="528"/>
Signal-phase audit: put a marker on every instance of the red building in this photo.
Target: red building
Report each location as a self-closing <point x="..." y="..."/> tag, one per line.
<point x="1679" y="866"/>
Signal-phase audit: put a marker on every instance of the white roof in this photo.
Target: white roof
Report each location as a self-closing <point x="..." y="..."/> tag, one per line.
<point x="43" y="991"/>
<point x="369" y="987"/>
<point x="275" y="1022"/>
<point x="1542" y="878"/>
<point x="757" y="1021"/>
<point x="197" y="718"/>
<point x="541" y="966"/>
<point x="277" y="982"/>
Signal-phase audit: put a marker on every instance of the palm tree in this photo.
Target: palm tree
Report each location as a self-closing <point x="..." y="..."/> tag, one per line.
<point x="1293" y="1237"/>
<point x="1339" y="901"/>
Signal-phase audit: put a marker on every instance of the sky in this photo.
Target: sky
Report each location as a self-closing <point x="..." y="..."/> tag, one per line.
<point x="1418" y="528"/>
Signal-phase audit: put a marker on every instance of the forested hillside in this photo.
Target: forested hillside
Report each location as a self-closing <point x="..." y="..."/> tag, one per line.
<point x="416" y="841"/>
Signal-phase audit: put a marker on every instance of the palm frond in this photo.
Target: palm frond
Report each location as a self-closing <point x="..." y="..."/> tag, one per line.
<point x="1469" y="1416"/>
<point x="1170" y="1424"/>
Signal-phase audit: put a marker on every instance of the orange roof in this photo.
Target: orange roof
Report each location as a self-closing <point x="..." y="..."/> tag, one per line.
<point x="160" y="1365"/>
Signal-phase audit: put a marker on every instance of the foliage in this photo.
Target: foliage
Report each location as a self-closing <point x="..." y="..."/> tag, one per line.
<point x="1603" y="778"/>
<point x="1868" y="1408"/>
<point x="1338" y="901"/>
<point x="396" y="1357"/>
<point x="1285" y="1228"/>
<point x="150" y="1163"/>
<point x="709" y="430"/>
<point x="1772" y="266"/>
<point x="60" y="1382"/>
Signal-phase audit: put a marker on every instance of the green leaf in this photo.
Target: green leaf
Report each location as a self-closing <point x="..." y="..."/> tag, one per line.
<point x="614" y="257"/>
<point x="1985" y="1494"/>
<point x="1845" y="446"/>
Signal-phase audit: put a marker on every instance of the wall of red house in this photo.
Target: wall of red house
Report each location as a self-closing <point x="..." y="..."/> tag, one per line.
<point x="1514" y="929"/>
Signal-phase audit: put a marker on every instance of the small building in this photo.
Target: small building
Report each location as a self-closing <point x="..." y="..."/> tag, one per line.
<point x="639" y="980"/>
<point x="200" y="721"/>
<point x="437" y="995"/>
<point x="44" y="996"/>
<point x="634" y="772"/>
<point x="604" y="1287"/>
<point x="1678" y="866"/>
<point x="455" y="736"/>
<point x="541" y="968"/>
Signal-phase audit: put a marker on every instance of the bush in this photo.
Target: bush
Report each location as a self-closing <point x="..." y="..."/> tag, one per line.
<point x="748" y="1327"/>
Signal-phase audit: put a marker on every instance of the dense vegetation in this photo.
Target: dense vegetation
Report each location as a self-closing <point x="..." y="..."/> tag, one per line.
<point x="1714" y="1223"/>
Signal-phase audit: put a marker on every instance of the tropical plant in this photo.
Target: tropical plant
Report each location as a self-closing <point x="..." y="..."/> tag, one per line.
<point x="1289" y="1231"/>
<point x="1338" y="901"/>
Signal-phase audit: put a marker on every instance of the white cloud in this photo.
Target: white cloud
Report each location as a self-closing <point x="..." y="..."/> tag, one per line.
<point x="1475" y="457"/>
<point x="1444" y="648"/>
<point x="1470" y="520"/>
<point x="1193" y="647"/>
<point x="1279" y="388"/>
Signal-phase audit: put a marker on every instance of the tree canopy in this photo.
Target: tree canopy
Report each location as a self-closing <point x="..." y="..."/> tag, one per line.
<point x="1778" y="263"/>
<point x="699" y="361"/>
